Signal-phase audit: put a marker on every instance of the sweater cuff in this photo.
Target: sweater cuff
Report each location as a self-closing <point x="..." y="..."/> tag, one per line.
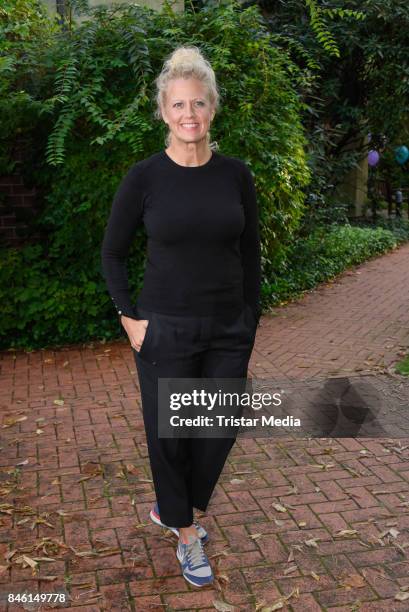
<point x="126" y="311"/>
<point x="123" y="314"/>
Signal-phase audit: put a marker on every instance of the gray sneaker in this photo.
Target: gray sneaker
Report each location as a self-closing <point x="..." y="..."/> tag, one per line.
<point x="195" y="564"/>
<point x="155" y="518"/>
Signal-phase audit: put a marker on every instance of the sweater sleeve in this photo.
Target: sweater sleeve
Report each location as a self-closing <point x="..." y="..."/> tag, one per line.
<point x="125" y="217"/>
<point x="250" y="245"/>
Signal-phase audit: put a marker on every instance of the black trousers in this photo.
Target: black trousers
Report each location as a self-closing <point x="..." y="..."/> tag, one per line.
<point x="185" y="470"/>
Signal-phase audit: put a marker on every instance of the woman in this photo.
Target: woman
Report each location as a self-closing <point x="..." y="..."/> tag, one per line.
<point x="197" y="314"/>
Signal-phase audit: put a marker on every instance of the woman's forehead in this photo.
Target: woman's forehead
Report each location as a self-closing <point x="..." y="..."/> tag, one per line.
<point x="186" y="87"/>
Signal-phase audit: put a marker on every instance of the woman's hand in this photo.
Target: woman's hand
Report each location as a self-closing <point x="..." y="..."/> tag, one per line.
<point x="136" y="330"/>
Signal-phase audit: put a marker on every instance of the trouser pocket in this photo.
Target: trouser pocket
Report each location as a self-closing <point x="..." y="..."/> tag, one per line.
<point x="145" y="352"/>
<point x="163" y="338"/>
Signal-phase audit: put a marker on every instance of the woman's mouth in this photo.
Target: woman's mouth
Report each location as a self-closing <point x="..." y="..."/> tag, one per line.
<point x="190" y="126"/>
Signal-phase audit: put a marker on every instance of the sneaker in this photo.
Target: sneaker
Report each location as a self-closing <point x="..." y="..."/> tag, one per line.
<point x="155" y="517"/>
<point x="195" y="564"/>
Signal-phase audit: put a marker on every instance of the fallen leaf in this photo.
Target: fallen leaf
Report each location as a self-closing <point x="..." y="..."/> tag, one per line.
<point x="107" y="552"/>
<point x="290" y="556"/>
<point x="221" y="578"/>
<point x="9" y="421"/>
<point x="400" y="548"/>
<point x="353" y="581"/>
<point x="345" y="532"/>
<point x="277" y="606"/>
<point x="312" y="543"/>
<point x="41" y="521"/>
<point x="297" y="547"/>
<point x="391" y="531"/>
<point x="279" y="507"/>
<point x="245" y="472"/>
<point x="222" y="553"/>
<point x="222" y="606"/>
<point x="401" y="596"/>
<point x="351" y="471"/>
<point x="26" y="561"/>
<point x="131" y="468"/>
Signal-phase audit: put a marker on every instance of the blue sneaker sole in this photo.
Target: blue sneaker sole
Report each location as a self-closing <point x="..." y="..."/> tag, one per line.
<point x="197" y="584"/>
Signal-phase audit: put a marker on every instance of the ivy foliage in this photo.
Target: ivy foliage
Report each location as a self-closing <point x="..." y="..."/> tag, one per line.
<point x="360" y="86"/>
<point x="26" y="36"/>
<point x="91" y="97"/>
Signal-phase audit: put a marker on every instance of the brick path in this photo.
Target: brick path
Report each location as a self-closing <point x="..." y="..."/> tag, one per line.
<point x="75" y="477"/>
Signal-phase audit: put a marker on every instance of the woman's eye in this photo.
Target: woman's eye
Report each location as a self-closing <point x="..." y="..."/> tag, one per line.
<point x="198" y="102"/>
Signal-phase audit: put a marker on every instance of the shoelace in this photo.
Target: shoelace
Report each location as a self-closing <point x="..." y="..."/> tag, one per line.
<point x="195" y="553"/>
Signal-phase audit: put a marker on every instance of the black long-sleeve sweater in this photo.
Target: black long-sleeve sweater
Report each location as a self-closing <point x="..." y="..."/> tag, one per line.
<point x="203" y="250"/>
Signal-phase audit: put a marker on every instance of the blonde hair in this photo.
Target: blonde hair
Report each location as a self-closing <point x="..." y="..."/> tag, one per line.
<point x="186" y="62"/>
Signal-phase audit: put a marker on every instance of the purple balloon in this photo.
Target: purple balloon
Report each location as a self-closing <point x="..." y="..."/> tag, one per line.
<point x="373" y="158"/>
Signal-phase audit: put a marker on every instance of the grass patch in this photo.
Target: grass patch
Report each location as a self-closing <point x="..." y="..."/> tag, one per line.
<point x="402" y="367"/>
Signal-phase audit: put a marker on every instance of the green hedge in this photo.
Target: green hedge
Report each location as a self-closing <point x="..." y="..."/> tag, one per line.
<point x="324" y="254"/>
<point x="320" y="257"/>
<point x="89" y="94"/>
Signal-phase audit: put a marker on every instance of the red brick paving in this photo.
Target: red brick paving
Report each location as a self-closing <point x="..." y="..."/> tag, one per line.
<point x="85" y="475"/>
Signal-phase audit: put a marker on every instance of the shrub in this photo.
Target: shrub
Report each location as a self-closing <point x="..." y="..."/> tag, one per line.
<point x="323" y="255"/>
<point x="98" y="120"/>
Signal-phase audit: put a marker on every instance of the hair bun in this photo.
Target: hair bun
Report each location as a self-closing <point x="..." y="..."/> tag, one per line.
<point x="185" y="55"/>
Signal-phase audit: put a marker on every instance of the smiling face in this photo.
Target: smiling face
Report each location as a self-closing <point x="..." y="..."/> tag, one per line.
<point x="187" y="109"/>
